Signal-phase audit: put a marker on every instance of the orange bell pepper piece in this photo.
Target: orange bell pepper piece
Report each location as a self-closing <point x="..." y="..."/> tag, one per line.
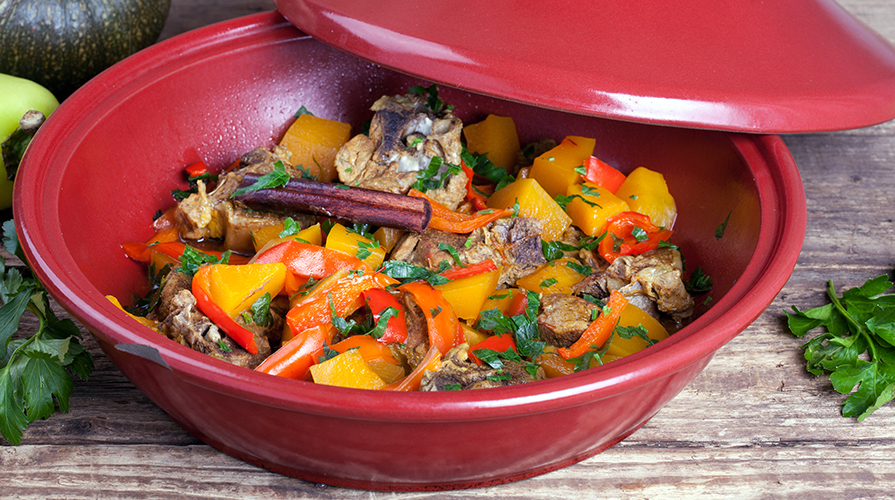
<point x="445" y="219"/>
<point x="441" y="321"/>
<point x="310" y="261"/>
<point x="294" y="358"/>
<point x="599" y="330"/>
<point x="368" y="347"/>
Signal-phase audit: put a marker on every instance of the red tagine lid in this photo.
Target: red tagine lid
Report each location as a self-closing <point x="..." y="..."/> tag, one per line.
<point x="763" y="67"/>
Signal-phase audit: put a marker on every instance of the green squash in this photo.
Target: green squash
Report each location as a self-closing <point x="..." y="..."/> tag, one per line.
<point x="61" y="44"/>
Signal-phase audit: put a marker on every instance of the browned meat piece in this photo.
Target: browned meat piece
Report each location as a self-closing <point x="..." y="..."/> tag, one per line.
<point x="459" y="372"/>
<point x="563" y="318"/>
<point x="655" y="275"/>
<point x="181" y="321"/>
<point x="213" y="215"/>
<point x="513" y="243"/>
<point x="518" y="240"/>
<point x="412" y="351"/>
<point x="404" y="137"/>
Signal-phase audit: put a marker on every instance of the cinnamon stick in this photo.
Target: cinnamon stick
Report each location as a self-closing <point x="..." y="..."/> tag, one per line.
<point x="378" y="208"/>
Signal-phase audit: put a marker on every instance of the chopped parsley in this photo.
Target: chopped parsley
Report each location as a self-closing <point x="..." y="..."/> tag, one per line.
<point x="452" y="251"/>
<point x="719" y="231"/>
<point x="405" y="272"/>
<point x="275" y="178"/>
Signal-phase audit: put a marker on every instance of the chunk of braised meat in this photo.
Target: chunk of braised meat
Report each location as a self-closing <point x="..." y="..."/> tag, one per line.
<point x="181" y="321"/>
<point x="656" y="275"/>
<point x="563" y="318"/>
<point x="214" y="215"/>
<point x="512" y="243"/>
<point x="459" y="372"/>
<point x="405" y="135"/>
<point x="414" y="348"/>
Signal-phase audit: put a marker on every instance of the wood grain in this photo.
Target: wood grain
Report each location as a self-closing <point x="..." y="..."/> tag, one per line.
<point x="753" y="424"/>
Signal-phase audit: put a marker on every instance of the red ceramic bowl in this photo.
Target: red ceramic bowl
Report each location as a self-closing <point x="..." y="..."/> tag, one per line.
<point x="107" y="159"/>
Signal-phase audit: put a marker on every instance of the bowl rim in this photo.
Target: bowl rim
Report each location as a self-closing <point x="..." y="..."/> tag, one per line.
<point x="782" y="230"/>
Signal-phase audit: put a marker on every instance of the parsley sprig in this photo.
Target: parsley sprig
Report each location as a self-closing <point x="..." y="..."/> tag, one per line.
<point x="35" y="372"/>
<point x="857" y="348"/>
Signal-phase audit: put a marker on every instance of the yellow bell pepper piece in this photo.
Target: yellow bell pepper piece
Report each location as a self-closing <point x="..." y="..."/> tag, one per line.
<point x="234" y="288"/>
<point x="357" y="245"/>
<point x="555" y="169"/>
<point x="262" y="238"/>
<point x="495" y="136"/>
<point x="467" y="295"/>
<point x="634" y="316"/>
<point x="472" y="335"/>
<point x="646" y="192"/>
<point x="592" y="206"/>
<point x="143" y="321"/>
<point x="314" y="143"/>
<point x="347" y="370"/>
<point x="533" y="202"/>
<point x="552" y="277"/>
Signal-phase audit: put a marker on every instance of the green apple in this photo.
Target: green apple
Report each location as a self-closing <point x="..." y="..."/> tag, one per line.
<point x="18" y="96"/>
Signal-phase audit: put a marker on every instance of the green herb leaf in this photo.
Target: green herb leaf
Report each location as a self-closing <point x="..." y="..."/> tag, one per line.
<point x="699" y="282"/>
<point x="275" y="178"/>
<point x="302" y="111"/>
<point x="857" y="346"/>
<point x="719" y="231"/>
<point x="481" y="165"/>
<point x="405" y="272"/>
<point x="452" y="251"/>
<point x="35" y="372"/>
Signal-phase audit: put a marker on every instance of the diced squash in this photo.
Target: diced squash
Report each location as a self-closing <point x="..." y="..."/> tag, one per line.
<point x="270" y="235"/>
<point x="388" y="372"/>
<point x="634" y="316"/>
<point x="235" y="288"/>
<point x="592" y="206"/>
<point x="356" y="245"/>
<point x="388" y="237"/>
<point x="467" y="295"/>
<point x="552" y="277"/>
<point x="555" y="169"/>
<point x="347" y="369"/>
<point x="495" y="136"/>
<point x="533" y="202"/>
<point x="553" y="364"/>
<point x="314" y="143"/>
<point x="646" y="192"/>
<point x="472" y="335"/>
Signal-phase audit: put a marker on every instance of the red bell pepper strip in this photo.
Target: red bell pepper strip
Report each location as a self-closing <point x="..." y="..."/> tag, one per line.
<point x="140" y="251"/>
<point x="517" y="305"/>
<point x="496" y="343"/>
<point x="310" y="261"/>
<point x="442" y="323"/>
<point x="603" y="175"/>
<point x="430" y="362"/>
<point x="197" y="169"/>
<point x="445" y="219"/>
<point x="599" y="330"/>
<point x="379" y="300"/>
<point x="458" y="272"/>
<point x="239" y="334"/>
<point x="624" y="243"/>
<point x="477" y="199"/>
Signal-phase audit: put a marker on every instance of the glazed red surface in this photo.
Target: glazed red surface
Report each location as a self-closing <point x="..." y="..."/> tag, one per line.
<point x="107" y="159"/>
<point x="745" y="66"/>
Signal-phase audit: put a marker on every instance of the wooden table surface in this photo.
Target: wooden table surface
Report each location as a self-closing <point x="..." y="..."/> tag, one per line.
<point x="754" y="424"/>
